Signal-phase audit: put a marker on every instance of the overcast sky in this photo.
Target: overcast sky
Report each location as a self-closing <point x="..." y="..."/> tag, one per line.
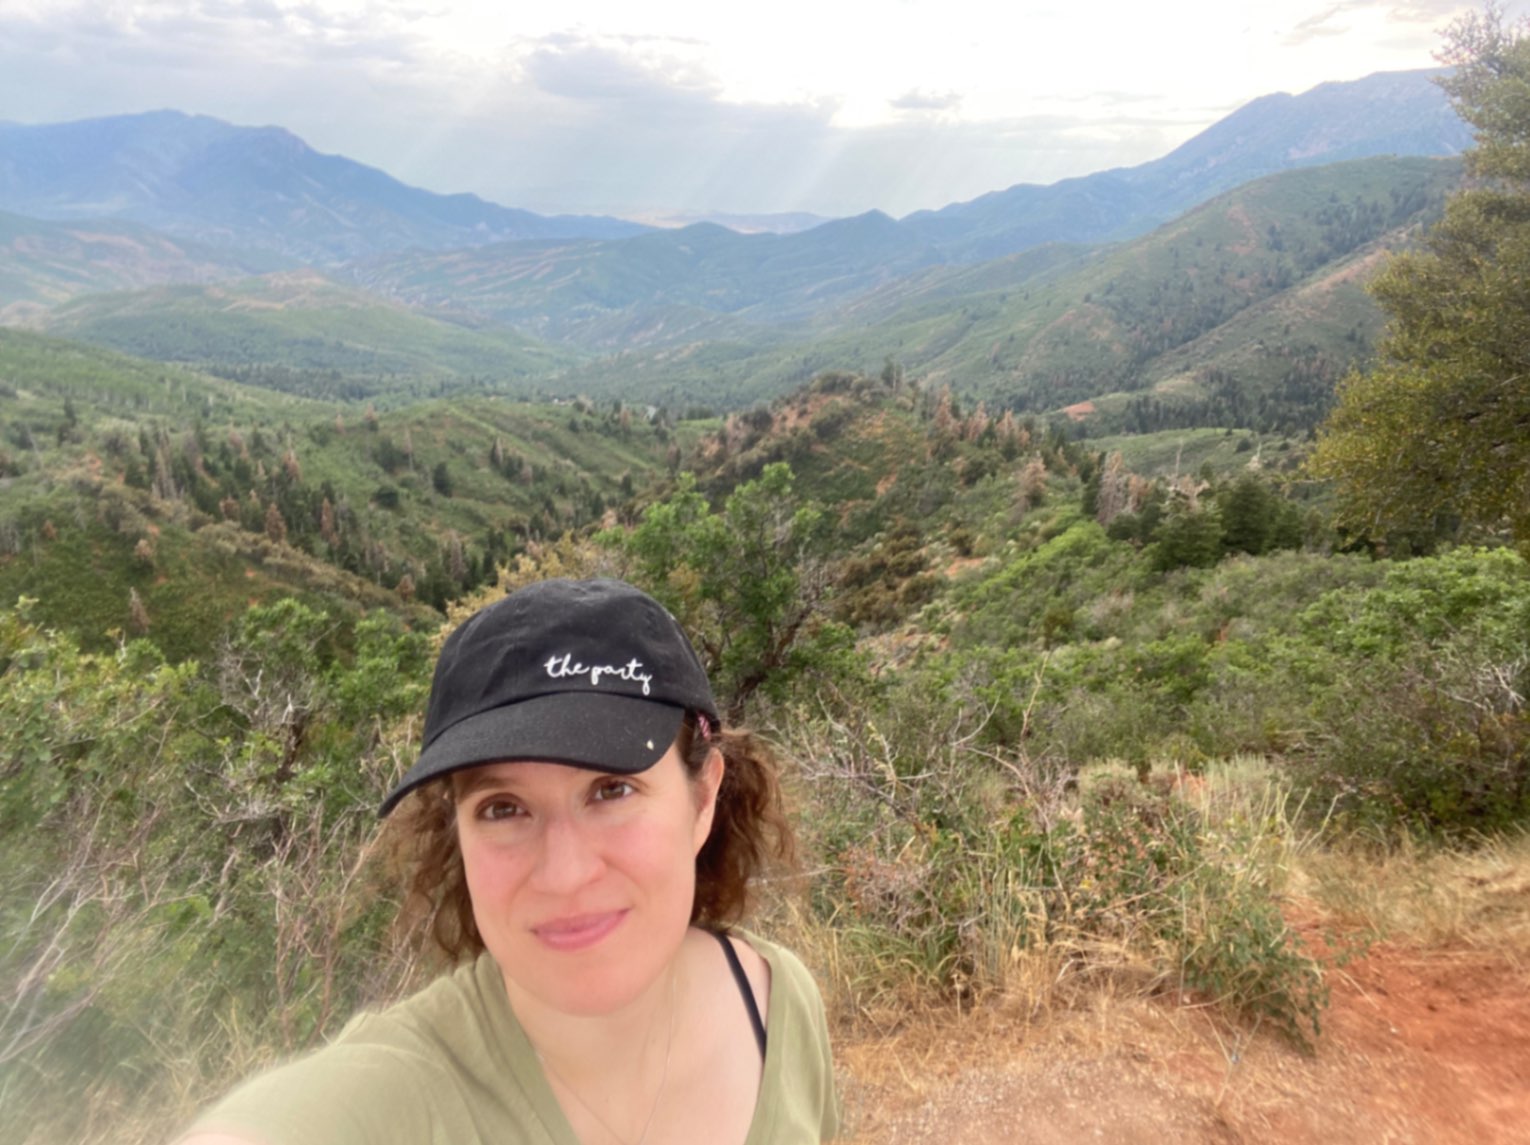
<point x="637" y="107"/>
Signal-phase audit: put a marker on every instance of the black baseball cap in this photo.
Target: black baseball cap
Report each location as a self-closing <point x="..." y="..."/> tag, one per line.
<point x="591" y="673"/>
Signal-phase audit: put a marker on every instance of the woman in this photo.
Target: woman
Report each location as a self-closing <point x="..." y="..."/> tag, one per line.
<point x="586" y="833"/>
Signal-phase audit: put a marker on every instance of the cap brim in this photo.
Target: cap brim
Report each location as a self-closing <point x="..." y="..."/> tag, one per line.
<point x="621" y="734"/>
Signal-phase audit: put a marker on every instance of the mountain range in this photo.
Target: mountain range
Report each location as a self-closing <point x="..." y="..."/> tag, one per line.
<point x="1039" y="297"/>
<point x="262" y="188"/>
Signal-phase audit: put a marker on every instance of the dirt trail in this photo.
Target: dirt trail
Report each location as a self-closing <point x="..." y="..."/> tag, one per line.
<point x="1428" y="1047"/>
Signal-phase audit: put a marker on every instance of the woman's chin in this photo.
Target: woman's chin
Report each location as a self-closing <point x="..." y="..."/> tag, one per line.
<point x="592" y="980"/>
<point x="590" y="995"/>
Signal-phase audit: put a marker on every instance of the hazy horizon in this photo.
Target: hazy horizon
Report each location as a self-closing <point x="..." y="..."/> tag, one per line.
<point x="679" y="110"/>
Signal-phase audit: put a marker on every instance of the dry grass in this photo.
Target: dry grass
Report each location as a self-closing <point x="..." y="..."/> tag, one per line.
<point x="1426" y="897"/>
<point x="1120" y="1061"/>
<point x="878" y="978"/>
<point x="1343" y="898"/>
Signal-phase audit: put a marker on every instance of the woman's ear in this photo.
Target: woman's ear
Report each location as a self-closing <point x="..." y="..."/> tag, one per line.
<point x="707" y="784"/>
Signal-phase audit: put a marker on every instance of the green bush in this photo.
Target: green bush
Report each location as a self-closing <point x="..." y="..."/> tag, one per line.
<point x="1418" y="695"/>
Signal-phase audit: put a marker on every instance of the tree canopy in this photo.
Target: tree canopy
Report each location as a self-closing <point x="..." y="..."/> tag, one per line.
<point x="1436" y="437"/>
<point x="749" y="584"/>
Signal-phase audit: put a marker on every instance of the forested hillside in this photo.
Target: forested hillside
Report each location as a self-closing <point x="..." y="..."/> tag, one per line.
<point x="43" y="263"/>
<point x="1259" y="292"/>
<point x="150" y="498"/>
<point x="303" y="333"/>
<point x="1243" y="313"/>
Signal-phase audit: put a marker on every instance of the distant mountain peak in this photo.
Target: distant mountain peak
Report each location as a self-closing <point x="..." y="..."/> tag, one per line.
<point x="256" y="188"/>
<point x="1403" y="113"/>
<point x="1386" y="113"/>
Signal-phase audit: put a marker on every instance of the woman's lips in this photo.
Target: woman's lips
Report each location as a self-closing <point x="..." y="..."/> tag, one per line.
<point x="579" y="931"/>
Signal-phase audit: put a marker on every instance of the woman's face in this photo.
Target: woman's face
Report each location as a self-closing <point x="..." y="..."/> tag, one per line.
<point x="581" y="881"/>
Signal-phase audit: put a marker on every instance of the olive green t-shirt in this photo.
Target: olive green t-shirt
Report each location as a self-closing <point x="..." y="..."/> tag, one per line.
<point x="452" y="1066"/>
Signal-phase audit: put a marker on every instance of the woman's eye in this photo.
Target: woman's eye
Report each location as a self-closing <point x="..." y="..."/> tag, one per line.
<point x="613" y="789"/>
<point x="495" y="809"/>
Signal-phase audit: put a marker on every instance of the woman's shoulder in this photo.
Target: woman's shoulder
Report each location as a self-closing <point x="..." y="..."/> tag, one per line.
<point x="471" y="996"/>
<point x="780" y="958"/>
<point x="341" y="1093"/>
<point x="388" y="1071"/>
<point x="799" y="1067"/>
<point x="790" y="978"/>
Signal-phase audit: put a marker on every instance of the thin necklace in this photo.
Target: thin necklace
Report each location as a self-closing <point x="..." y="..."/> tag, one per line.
<point x="669" y="1044"/>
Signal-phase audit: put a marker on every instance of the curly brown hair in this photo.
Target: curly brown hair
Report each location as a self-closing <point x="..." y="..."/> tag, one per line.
<point x="750" y="834"/>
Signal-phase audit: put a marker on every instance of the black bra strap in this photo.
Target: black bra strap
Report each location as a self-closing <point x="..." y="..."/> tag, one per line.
<point x="744" y="988"/>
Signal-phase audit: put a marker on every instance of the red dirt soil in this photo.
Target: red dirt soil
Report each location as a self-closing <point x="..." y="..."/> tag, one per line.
<point x="1428" y="1047"/>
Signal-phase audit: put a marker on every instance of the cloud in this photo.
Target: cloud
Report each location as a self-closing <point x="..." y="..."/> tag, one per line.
<point x="216" y="33"/>
<point x="1108" y="98"/>
<point x="917" y="99"/>
<point x="1319" y="24"/>
<point x="590" y="139"/>
<point x="244" y="60"/>
<point x="1407" y="18"/>
<point x="587" y="68"/>
<point x="1422" y="11"/>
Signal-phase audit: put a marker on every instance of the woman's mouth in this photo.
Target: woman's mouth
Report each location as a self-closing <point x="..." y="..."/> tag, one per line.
<point x="579" y="931"/>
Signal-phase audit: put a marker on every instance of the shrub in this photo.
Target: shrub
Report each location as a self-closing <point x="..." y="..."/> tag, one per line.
<point x="1419" y="689"/>
<point x="1437" y="740"/>
<point x="947" y="868"/>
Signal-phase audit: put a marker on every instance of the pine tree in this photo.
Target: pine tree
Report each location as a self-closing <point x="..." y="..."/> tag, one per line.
<point x="276" y="526"/>
<point x="1249" y="512"/>
<point x="327" y="523"/>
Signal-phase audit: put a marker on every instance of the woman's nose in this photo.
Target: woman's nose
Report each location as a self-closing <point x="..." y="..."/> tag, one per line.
<point x="569" y="858"/>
